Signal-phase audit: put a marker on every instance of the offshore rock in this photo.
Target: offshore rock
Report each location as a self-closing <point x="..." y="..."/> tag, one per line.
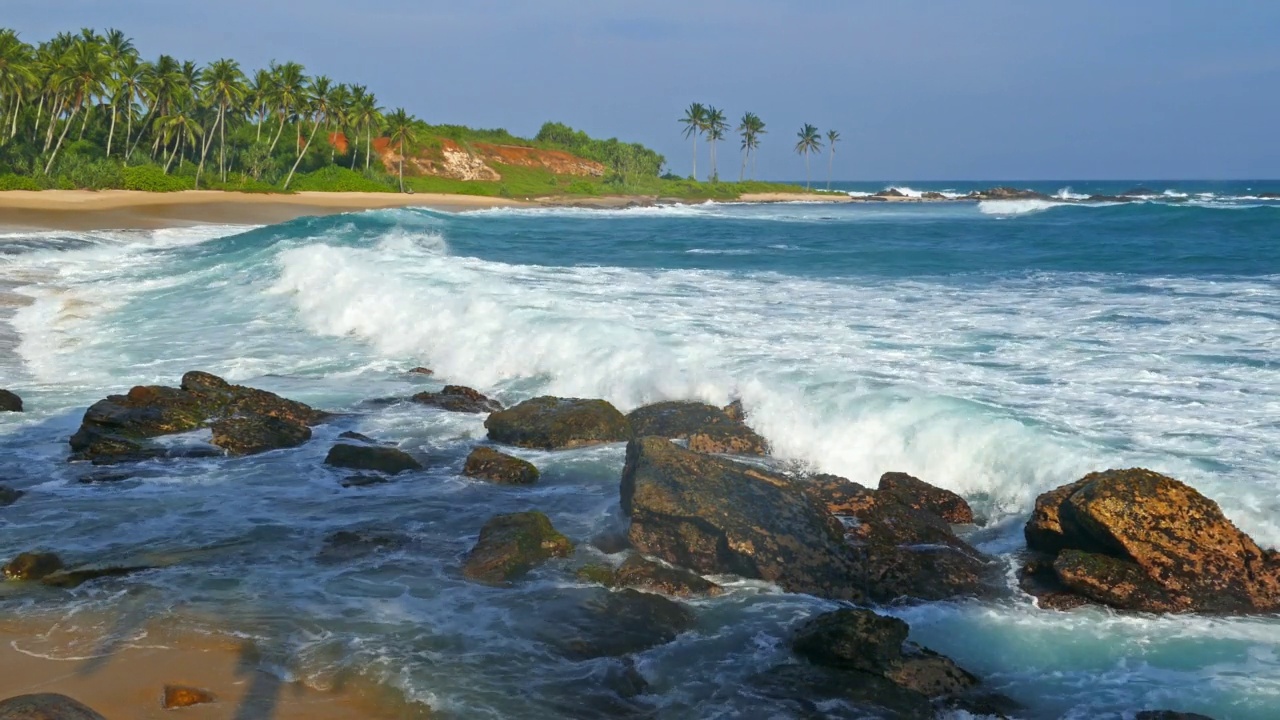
<point x="707" y="428"/>
<point x="1169" y="715"/>
<point x="456" y="398"/>
<point x="1138" y="540"/>
<point x="10" y="402"/>
<point x="644" y="574"/>
<point x="45" y="706"/>
<point x="904" y="552"/>
<point x="920" y="495"/>
<point x="117" y="428"/>
<point x="253" y="435"/>
<point x="180" y="696"/>
<point x="615" y="623"/>
<point x="512" y="545"/>
<point x="32" y="566"/>
<point x="485" y="463"/>
<point x="551" y="423"/>
<point x="716" y="516"/>
<point x="9" y="496"/>
<point x="365" y="457"/>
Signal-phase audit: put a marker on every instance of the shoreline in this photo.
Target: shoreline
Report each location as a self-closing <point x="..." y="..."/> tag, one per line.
<point x="80" y="210"/>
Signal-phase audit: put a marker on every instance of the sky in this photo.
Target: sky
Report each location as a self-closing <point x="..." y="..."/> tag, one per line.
<point x="944" y="90"/>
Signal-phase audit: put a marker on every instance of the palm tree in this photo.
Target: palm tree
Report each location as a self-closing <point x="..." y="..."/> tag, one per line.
<point x="810" y="142"/>
<point x="400" y="130"/>
<point x="320" y="105"/>
<point x="340" y="116"/>
<point x="125" y="86"/>
<point x="261" y="89"/>
<point x="84" y="76"/>
<point x="290" y="90"/>
<point x="160" y="84"/>
<point x="17" y="75"/>
<point x="182" y="126"/>
<point x="119" y="50"/>
<point x="224" y="86"/>
<point x="715" y="127"/>
<point x="694" y="121"/>
<point x="365" y="114"/>
<point x="751" y="127"/>
<point x="833" y="137"/>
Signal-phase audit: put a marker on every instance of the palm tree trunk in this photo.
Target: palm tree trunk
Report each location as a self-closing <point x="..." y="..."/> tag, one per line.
<point x="128" y="130"/>
<point x="17" y="107"/>
<point x="306" y="147"/>
<point x="279" y="131"/>
<point x="61" y="137"/>
<point x="85" y="123"/>
<point x="401" y="168"/>
<point x="806" y="170"/>
<point x="111" y="136"/>
<point x="695" y="157"/>
<point x="831" y="163"/>
<point x="368" y="146"/>
<point x="222" y="143"/>
<point x="53" y="122"/>
<point x="204" y="151"/>
<point x="35" y="132"/>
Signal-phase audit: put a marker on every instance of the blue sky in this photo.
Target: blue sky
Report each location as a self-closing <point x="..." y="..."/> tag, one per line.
<point x="961" y="89"/>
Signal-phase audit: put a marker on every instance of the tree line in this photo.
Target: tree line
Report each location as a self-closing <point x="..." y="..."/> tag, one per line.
<point x="709" y="122"/>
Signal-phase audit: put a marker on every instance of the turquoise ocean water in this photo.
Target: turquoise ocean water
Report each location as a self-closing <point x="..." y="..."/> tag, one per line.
<point x="998" y="349"/>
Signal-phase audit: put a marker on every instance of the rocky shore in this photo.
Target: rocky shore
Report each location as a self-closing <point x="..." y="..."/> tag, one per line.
<point x="701" y="501"/>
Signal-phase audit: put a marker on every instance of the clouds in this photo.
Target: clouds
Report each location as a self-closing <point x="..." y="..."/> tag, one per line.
<point x="998" y="88"/>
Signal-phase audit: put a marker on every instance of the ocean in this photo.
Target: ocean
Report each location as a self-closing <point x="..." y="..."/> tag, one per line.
<point x="998" y="349"/>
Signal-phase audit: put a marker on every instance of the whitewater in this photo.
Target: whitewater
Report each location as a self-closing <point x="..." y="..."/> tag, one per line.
<point x="998" y="350"/>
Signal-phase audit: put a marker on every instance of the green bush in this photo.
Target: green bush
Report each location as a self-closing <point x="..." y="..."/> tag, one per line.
<point x="87" y="174"/>
<point x="18" y="182"/>
<point x="150" y="178"/>
<point x="337" y="179"/>
<point x="582" y="187"/>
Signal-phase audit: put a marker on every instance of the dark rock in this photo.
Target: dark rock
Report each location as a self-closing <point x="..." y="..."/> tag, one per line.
<point x="933" y="195"/>
<point x="1038" y="579"/>
<point x="45" y="706"/>
<point x="32" y="566"/>
<point x="706" y="427"/>
<point x="639" y="572"/>
<point x="1269" y="196"/>
<point x="350" y="544"/>
<point x="598" y="574"/>
<point x="891" y="192"/>
<point x="456" y="398"/>
<point x="118" y="428"/>
<point x="486" y="463"/>
<point x="931" y="674"/>
<point x="616" y="623"/>
<point x="352" y="435"/>
<point x="105" y="477"/>
<point x="1169" y="715"/>
<point x="918" y="494"/>
<point x="808" y="690"/>
<point x="852" y="639"/>
<point x="1138" y="540"/>
<point x="903" y="552"/>
<point x="612" y="541"/>
<point x="1140" y="190"/>
<point x="180" y="696"/>
<point x="716" y="516"/>
<point x="253" y="435"/>
<point x="364" y="480"/>
<point x="75" y="578"/>
<point x="1009" y="193"/>
<point x="735" y="411"/>
<point x="10" y="402"/>
<point x="625" y="679"/>
<point x="511" y="545"/>
<point x="9" y="496"/>
<point x="1108" y="198"/>
<point x="363" y="457"/>
<point x="422" y="371"/>
<point x="551" y="423"/>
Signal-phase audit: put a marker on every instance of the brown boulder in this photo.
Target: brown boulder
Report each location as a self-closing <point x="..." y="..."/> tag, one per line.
<point x="918" y="494"/>
<point x="707" y="428"/>
<point x="511" y="545"/>
<point x="368" y="457"/>
<point x="10" y="402"/>
<point x="485" y="463"/>
<point x="422" y="371"/>
<point x="118" y="428"/>
<point x="45" y="706"/>
<point x="456" y="398"/>
<point x="180" y="696"/>
<point x="551" y="423"/>
<point x="253" y="435"/>
<point x="32" y="566"/>
<point x="1138" y="540"/>
<point x="644" y="574"/>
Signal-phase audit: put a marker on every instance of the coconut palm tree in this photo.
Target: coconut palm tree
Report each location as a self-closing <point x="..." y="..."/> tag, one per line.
<point x="810" y="142"/>
<point x="260" y="90"/>
<point x="716" y="126"/>
<point x="290" y="92"/>
<point x="751" y="127"/>
<point x="339" y="117"/>
<point x="401" y="131"/>
<point x="161" y="82"/>
<point x="694" y="121"/>
<point x="182" y="129"/>
<point x="365" y="115"/>
<point x="17" y="76"/>
<point x="223" y="86"/>
<point x="83" y="76"/>
<point x="319" y="106"/>
<point x="833" y="137"/>
<point x="119" y="50"/>
<point x="125" y="86"/>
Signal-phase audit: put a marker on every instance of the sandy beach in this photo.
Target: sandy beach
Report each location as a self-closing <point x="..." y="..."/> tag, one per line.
<point x="125" y="677"/>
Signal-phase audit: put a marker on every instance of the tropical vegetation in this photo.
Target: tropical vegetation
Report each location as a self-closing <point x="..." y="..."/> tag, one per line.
<point x="706" y="121"/>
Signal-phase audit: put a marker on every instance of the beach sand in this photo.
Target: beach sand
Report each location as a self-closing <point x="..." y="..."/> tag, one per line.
<point x="124" y="678"/>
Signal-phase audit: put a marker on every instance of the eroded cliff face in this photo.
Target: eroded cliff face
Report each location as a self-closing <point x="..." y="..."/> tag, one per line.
<point x="478" y="161"/>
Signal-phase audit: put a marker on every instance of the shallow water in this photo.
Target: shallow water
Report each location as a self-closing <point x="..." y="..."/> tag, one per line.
<point x="997" y="349"/>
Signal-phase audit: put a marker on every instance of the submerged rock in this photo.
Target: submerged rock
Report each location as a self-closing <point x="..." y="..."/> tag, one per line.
<point x="358" y="437"/>
<point x="512" y="545"/>
<point x="616" y="623"/>
<point x="180" y="696"/>
<point x="485" y="463"/>
<point x="1138" y="540"/>
<point x="551" y="423"/>
<point x="716" y="516"/>
<point x="118" y="428"/>
<point x="810" y="689"/>
<point x="365" y="457"/>
<point x="364" y="480"/>
<point x="9" y="496"/>
<point x="350" y="544"/>
<point x="75" y="578"/>
<point x="45" y="706"/>
<point x="253" y="435"/>
<point x="422" y="371"/>
<point x="644" y="574"/>
<point x="10" y="402"/>
<point x="920" y="495"/>
<point x="456" y="398"/>
<point x="1009" y="193"/>
<point x="706" y="427"/>
<point x="32" y="566"/>
<point x="1169" y="715"/>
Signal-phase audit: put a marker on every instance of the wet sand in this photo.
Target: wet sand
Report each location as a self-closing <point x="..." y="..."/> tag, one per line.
<point x="124" y="678"/>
